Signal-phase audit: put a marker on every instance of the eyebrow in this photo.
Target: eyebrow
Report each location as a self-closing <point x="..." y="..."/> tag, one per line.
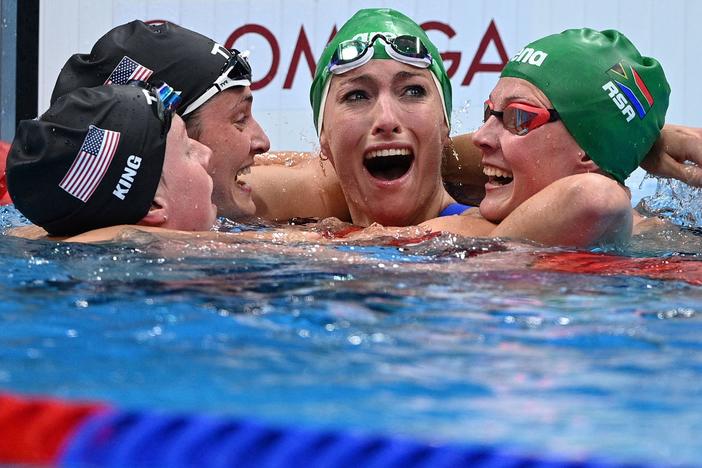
<point x="357" y="79"/>
<point x="521" y="97"/>
<point x="247" y="100"/>
<point x="399" y="76"/>
<point x="405" y="75"/>
<point x="516" y="97"/>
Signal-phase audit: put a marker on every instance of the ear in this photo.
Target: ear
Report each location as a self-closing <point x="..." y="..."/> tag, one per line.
<point x="586" y="164"/>
<point x="325" y="148"/>
<point x="158" y="213"/>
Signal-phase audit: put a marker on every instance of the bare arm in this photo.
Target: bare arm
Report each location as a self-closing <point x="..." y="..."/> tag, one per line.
<point x="296" y="186"/>
<point x="675" y="146"/>
<point x="27" y="232"/>
<point x="580" y="210"/>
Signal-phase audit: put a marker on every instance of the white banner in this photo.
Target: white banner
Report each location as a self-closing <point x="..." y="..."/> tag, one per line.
<point x="475" y="37"/>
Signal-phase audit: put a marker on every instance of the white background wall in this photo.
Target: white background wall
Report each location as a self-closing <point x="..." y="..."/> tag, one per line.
<point x="668" y="31"/>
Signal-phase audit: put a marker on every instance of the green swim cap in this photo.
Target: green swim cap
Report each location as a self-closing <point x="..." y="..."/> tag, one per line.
<point x="362" y="26"/>
<point x="610" y="98"/>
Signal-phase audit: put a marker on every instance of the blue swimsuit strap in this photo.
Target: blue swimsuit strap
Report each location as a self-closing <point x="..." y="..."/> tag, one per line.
<point x="454" y="209"/>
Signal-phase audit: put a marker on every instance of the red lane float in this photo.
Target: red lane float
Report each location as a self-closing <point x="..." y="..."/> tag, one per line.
<point x="671" y="268"/>
<point x="34" y="430"/>
<point x="4" y="196"/>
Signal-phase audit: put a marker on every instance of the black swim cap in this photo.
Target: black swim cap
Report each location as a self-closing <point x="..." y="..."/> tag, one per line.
<point x="185" y="60"/>
<point x="94" y="159"/>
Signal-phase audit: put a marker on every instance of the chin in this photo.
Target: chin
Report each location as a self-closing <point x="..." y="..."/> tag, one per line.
<point x="239" y="210"/>
<point x="492" y="213"/>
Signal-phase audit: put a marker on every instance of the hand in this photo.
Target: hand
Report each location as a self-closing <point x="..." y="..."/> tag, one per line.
<point x="676" y="145"/>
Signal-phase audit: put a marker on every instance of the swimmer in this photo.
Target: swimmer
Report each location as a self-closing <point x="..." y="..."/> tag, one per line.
<point x="377" y="189"/>
<point x="381" y="102"/>
<point x="106" y="156"/>
<point x="210" y="90"/>
<point x="170" y="53"/>
<point x="572" y="115"/>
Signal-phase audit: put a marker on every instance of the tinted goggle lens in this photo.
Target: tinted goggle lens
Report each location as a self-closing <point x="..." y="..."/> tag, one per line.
<point x="238" y="66"/>
<point x="348" y="51"/>
<point x="164" y="95"/>
<point x="520" y="118"/>
<point x="409" y="46"/>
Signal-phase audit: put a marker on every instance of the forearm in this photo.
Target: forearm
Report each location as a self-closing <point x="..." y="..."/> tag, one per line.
<point x="304" y="188"/>
<point x="580" y="211"/>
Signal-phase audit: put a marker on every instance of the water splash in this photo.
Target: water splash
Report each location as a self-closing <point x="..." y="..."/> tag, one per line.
<point x="676" y="201"/>
<point x="10" y="217"/>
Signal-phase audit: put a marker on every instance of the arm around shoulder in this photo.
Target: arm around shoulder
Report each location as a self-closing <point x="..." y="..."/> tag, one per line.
<point x="580" y="210"/>
<point x="306" y="189"/>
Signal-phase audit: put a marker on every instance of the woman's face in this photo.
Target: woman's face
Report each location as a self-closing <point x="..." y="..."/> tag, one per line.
<point x="520" y="166"/>
<point x="185" y="185"/>
<point x="227" y="126"/>
<point x="384" y="131"/>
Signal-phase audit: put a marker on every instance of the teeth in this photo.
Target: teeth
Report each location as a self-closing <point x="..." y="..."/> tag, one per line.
<point x="491" y="171"/>
<point x="243" y="171"/>
<point x="388" y="152"/>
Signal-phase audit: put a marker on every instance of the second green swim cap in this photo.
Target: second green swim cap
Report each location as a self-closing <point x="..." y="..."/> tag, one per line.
<point x="611" y="99"/>
<point x="363" y="25"/>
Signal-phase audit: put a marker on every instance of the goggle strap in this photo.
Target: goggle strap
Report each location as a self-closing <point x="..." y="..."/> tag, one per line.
<point x="443" y="103"/>
<point x="322" y="104"/>
<point x="211" y="91"/>
<point x="221" y="83"/>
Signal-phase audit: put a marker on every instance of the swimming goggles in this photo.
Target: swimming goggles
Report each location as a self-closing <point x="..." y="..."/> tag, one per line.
<point x="355" y="52"/>
<point x="235" y="72"/>
<point x="163" y="94"/>
<point x="519" y="118"/>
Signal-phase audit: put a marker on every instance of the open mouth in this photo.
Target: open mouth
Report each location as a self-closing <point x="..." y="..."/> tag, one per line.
<point x="242" y="172"/>
<point x="497" y="176"/>
<point x="388" y="164"/>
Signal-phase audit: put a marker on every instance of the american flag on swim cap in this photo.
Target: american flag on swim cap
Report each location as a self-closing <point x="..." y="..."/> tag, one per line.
<point x="91" y="163"/>
<point x="126" y="70"/>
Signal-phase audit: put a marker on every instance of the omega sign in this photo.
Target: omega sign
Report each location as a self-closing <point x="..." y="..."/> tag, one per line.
<point x="303" y="50"/>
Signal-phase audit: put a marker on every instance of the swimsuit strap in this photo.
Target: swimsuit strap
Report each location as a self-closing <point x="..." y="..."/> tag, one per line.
<point x="454" y="209"/>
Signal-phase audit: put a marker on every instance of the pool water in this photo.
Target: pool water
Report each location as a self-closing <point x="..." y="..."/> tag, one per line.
<point x="445" y="340"/>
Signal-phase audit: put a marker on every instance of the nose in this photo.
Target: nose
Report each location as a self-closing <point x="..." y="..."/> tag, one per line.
<point x="259" y="140"/>
<point x="202" y="152"/>
<point x="486" y="137"/>
<point x="385" y="116"/>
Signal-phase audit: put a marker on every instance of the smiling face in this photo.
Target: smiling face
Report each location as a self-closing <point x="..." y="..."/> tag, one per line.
<point x="226" y="125"/>
<point x="185" y="189"/>
<point x="384" y="131"/>
<point x="520" y="166"/>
